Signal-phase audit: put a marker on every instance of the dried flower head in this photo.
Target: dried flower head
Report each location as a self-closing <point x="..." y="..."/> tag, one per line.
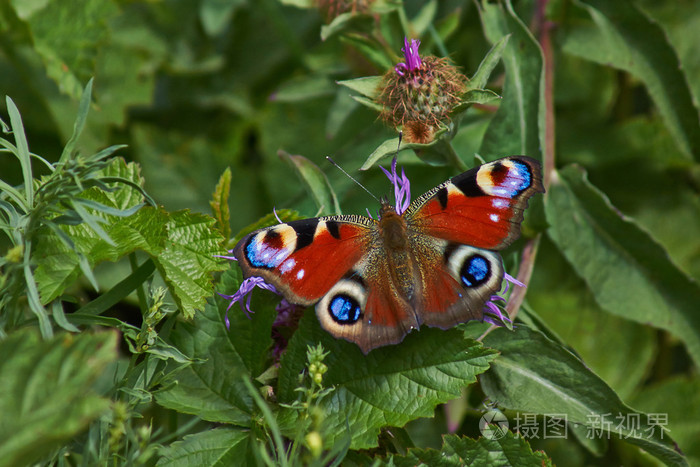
<point x="332" y="8"/>
<point x="420" y="92"/>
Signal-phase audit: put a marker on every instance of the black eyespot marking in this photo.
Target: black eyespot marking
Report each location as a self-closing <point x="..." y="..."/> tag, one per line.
<point x="468" y="185"/>
<point x="333" y="229"/>
<point x="475" y="271"/>
<point x="344" y="309"/>
<point x="305" y="232"/>
<point x="442" y="197"/>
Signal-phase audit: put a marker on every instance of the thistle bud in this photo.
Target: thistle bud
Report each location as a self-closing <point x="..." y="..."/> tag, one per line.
<point x="419" y="93"/>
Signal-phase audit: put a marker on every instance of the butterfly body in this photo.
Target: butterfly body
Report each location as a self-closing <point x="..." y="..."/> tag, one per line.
<point x="375" y="280"/>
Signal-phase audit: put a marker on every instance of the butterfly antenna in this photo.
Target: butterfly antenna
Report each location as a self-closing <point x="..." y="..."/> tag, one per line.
<point x="352" y="178"/>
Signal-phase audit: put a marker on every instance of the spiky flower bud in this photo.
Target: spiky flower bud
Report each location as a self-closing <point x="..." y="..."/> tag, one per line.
<point x="419" y="93"/>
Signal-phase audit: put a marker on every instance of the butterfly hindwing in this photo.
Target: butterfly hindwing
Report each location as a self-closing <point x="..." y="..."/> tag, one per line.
<point x="482" y="207"/>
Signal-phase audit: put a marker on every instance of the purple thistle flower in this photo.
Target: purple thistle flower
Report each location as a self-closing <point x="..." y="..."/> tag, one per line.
<point x="411" y="57"/>
<point x="492" y="312"/>
<point x="402" y="187"/>
<point x="244" y="293"/>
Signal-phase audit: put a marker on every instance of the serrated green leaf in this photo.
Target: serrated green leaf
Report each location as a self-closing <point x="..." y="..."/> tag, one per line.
<point x="517" y="127"/>
<point x="629" y="274"/>
<point x="45" y="391"/>
<point x="508" y="450"/>
<point x="219" y="203"/>
<point x="188" y="259"/>
<point x="146" y="230"/>
<point x="315" y="182"/>
<point x="369" y="86"/>
<point x="220" y="446"/>
<point x="627" y="39"/>
<point x="428" y="368"/>
<point x="534" y="374"/>
<point x="213" y="389"/>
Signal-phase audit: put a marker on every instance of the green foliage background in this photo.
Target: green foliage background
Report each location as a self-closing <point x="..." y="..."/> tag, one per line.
<point x="114" y="344"/>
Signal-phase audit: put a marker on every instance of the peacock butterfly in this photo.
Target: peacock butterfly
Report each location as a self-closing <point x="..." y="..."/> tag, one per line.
<point x="373" y="281"/>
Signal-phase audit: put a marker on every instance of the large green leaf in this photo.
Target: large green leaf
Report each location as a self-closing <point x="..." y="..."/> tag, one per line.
<point x="517" y="127"/>
<point x="629" y="274"/>
<point x="627" y="39"/>
<point x="508" y="450"/>
<point x="676" y="402"/>
<point x="534" y="374"/>
<point x="212" y="388"/>
<point x="388" y="387"/>
<point x="220" y="446"/>
<point x="46" y="395"/>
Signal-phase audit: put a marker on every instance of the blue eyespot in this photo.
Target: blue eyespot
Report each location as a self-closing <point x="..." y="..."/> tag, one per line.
<point x="345" y="309"/>
<point x="475" y="271"/>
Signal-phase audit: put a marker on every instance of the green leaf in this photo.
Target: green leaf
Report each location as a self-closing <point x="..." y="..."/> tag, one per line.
<point x="388" y="387"/>
<point x="627" y="39"/>
<point x="677" y="400"/>
<point x="369" y="86"/>
<point x="219" y="203"/>
<point x="352" y="22"/>
<point x="187" y="261"/>
<point x="315" y="182"/>
<point x="492" y="58"/>
<point x="535" y="375"/>
<point x="220" y="446"/>
<point x="67" y="35"/>
<point x="517" y="127"/>
<point x="629" y="274"/>
<point x="508" y="450"/>
<point x="79" y="124"/>
<point x="424" y="18"/>
<point x="46" y="395"/>
<point x="213" y="389"/>
<point x="303" y="88"/>
<point x="21" y="151"/>
<point x="390" y="146"/>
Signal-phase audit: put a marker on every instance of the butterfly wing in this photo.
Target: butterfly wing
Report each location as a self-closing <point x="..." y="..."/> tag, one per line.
<point x="482" y="207"/>
<point x="456" y="225"/>
<point x="304" y="259"/>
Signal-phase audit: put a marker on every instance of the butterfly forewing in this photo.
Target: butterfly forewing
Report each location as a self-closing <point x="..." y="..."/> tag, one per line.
<point x="482" y="207"/>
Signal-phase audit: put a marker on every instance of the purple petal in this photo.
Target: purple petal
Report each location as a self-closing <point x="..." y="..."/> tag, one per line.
<point x="402" y="187"/>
